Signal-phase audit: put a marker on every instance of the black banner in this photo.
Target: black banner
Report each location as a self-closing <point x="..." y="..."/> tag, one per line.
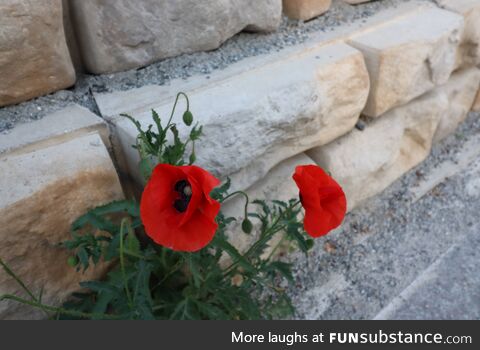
<point x="240" y="335"/>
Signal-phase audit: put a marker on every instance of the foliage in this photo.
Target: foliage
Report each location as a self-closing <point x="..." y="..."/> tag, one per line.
<point x="148" y="281"/>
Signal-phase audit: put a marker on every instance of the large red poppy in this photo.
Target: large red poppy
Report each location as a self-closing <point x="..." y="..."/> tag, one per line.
<point x="323" y="199"/>
<point x="176" y="208"/>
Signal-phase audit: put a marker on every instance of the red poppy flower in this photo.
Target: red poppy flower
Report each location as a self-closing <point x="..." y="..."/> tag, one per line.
<point x="176" y="208"/>
<point x="323" y="199"/>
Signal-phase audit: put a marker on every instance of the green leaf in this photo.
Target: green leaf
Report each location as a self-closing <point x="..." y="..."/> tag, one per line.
<point x="219" y="192"/>
<point x="132" y="244"/>
<point x="145" y="168"/>
<point x="197" y="278"/>
<point x="221" y="243"/>
<point x="283" y="268"/>
<point x="83" y="257"/>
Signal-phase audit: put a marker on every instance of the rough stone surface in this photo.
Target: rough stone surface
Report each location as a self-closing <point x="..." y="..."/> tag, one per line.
<point x="469" y="51"/>
<point x="409" y="56"/>
<point x="34" y="57"/>
<point x="268" y="114"/>
<point x="54" y="128"/>
<point x="460" y="92"/>
<point x="448" y="290"/>
<point x="339" y="20"/>
<point x="366" y="162"/>
<point x="41" y="193"/>
<point x="119" y="35"/>
<point x="305" y="9"/>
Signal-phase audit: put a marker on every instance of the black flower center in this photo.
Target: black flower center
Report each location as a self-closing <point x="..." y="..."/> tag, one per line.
<point x="185" y="194"/>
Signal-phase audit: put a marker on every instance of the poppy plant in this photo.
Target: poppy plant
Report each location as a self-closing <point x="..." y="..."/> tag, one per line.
<point x="176" y="208"/>
<point x="322" y="198"/>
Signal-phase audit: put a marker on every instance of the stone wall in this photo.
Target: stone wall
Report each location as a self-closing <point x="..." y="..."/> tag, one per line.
<point x="58" y="37"/>
<point x="365" y="108"/>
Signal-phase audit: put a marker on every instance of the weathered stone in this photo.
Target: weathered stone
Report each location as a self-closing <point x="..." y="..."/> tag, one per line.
<point x="305" y="9"/>
<point x="366" y="162"/>
<point x="42" y="192"/>
<point x="409" y="56"/>
<point x="34" y="56"/>
<point x="122" y="34"/>
<point x="58" y="127"/>
<point x="256" y="119"/>
<point x="276" y="185"/>
<point x="460" y="92"/>
<point x="469" y="51"/>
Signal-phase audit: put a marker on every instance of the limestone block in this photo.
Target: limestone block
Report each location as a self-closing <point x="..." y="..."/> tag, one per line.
<point x="118" y="35"/>
<point x="305" y="9"/>
<point x="276" y="185"/>
<point x="60" y="126"/>
<point x="34" y="57"/>
<point x="257" y="118"/>
<point x="460" y="91"/>
<point x="469" y="51"/>
<point x="42" y="192"/>
<point x="408" y="56"/>
<point x="366" y="162"/>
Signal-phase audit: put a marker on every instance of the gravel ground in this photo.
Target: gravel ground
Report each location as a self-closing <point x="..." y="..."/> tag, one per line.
<point x="386" y="243"/>
<point x="240" y="46"/>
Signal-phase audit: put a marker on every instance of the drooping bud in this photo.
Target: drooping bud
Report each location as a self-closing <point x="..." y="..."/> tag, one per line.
<point x="188" y="118"/>
<point x="247" y="226"/>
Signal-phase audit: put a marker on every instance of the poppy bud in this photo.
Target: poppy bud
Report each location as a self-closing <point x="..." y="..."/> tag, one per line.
<point x="247" y="226"/>
<point x="188" y="118"/>
<point x="72" y="261"/>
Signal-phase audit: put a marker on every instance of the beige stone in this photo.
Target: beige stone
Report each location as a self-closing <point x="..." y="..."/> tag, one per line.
<point x="460" y="91"/>
<point x="366" y="162"/>
<point x="61" y="126"/>
<point x="267" y="114"/>
<point x="124" y="34"/>
<point x="34" y="57"/>
<point x="42" y="192"/>
<point x="305" y="9"/>
<point x="469" y="51"/>
<point x="408" y="56"/>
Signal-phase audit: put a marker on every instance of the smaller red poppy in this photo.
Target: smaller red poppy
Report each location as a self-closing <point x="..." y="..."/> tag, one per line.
<point x="322" y="198"/>
<point x="176" y="208"/>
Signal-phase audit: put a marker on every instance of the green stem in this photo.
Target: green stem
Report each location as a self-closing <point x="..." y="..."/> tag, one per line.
<point x="247" y="200"/>
<point x="17" y="279"/>
<point x="276" y="247"/>
<point x="175" y="106"/>
<point x="265" y="237"/>
<point x="125" y="221"/>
